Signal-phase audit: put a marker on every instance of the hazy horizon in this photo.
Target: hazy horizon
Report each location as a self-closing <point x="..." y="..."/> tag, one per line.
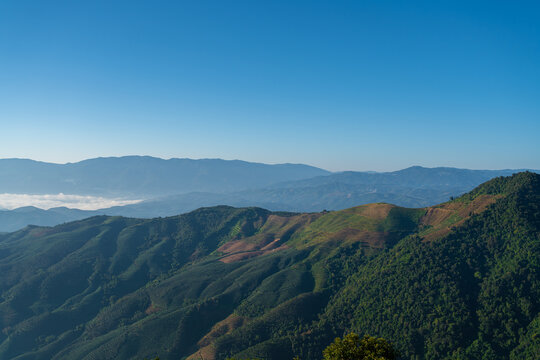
<point x="266" y="163"/>
<point x="341" y="86"/>
<point x="109" y="182"/>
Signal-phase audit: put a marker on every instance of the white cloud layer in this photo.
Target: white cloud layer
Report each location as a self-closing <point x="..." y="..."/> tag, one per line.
<point x="47" y="201"/>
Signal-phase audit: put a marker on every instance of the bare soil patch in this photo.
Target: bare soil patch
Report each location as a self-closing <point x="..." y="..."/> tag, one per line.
<point x="225" y="326"/>
<point x="440" y="217"/>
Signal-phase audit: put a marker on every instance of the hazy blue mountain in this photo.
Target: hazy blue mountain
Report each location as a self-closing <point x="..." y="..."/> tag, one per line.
<point x="144" y="176"/>
<point x="414" y="177"/>
<point x="411" y="187"/>
<point x="11" y="220"/>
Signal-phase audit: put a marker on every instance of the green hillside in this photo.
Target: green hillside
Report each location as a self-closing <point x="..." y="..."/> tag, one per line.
<point x="460" y="280"/>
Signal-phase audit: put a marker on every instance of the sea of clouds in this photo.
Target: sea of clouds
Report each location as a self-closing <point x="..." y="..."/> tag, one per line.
<point x="47" y="201"/>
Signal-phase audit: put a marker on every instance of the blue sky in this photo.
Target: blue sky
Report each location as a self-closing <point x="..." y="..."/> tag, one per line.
<point x="344" y="85"/>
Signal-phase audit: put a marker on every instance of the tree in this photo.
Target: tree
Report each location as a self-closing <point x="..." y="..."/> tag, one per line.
<point x="351" y="347"/>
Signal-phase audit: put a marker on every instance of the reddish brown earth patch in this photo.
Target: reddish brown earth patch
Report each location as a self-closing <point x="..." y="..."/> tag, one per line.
<point x="237" y="246"/>
<point x="223" y="327"/>
<point x="240" y="256"/>
<point x="436" y="216"/>
<point x="151" y="309"/>
<point x="273" y="245"/>
<point x="249" y="254"/>
<point x="204" y="353"/>
<point x="245" y="249"/>
<point x="250" y="247"/>
<point x="273" y="233"/>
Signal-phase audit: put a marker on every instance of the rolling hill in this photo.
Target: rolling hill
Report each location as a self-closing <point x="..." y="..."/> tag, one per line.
<point x="456" y="280"/>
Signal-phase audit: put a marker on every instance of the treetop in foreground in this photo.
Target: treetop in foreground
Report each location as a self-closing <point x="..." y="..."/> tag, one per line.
<point x="351" y="347"/>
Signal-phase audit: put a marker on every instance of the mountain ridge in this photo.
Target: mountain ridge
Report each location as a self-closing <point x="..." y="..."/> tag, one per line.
<point x="112" y="287"/>
<point x="143" y="176"/>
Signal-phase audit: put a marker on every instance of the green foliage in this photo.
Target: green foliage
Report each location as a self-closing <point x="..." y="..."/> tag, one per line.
<point x="470" y="293"/>
<point x="351" y="347"/>
<point x="110" y="287"/>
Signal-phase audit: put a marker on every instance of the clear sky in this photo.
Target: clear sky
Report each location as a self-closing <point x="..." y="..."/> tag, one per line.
<point x="344" y="85"/>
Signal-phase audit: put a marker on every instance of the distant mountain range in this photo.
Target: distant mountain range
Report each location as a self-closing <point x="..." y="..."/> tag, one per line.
<point x="144" y="176"/>
<point x="459" y="280"/>
<point x="180" y="185"/>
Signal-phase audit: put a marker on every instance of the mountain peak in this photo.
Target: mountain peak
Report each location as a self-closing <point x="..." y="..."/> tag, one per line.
<point x="504" y="185"/>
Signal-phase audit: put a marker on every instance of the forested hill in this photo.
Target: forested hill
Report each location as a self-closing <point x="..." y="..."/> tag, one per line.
<point x="456" y="280"/>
